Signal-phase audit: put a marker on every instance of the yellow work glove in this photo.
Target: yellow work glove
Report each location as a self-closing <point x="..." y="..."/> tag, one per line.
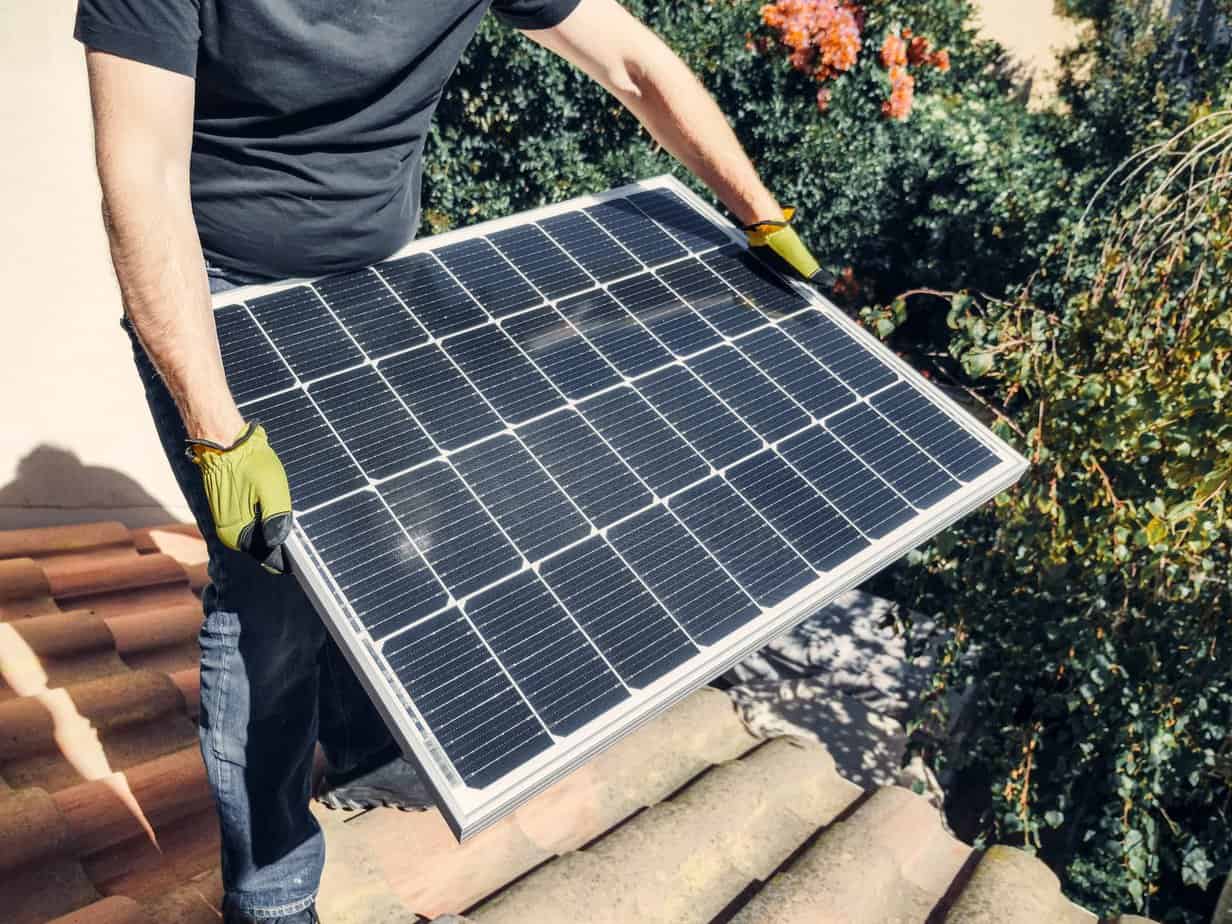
<point x="248" y="494"/>
<point x="777" y="243"/>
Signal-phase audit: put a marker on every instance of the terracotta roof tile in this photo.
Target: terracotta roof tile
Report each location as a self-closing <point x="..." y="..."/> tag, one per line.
<point x="53" y="541"/>
<point x="24" y="590"/>
<point x="686" y="819"/>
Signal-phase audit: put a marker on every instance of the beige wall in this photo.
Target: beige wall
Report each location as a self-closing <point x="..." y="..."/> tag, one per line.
<point x="76" y="442"/>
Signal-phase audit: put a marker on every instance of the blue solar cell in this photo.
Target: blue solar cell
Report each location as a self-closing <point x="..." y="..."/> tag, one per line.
<point x="565" y="357"/>
<point x="875" y="440"/>
<point x="561" y="674"/>
<point x="614" y="332"/>
<point x="489" y="278"/>
<point x="765" y="288"/>
<point x="701" y="418"/>
<point x="372" y="313"/>
<point x="722" y="306"/>
<point x="846" y="482"/>
<point x="594" y="249"/>
<point x="602" y="486"/>
<point x="478" y="717"/>
<point x="253" y="367"/>
<point x="702" y="597"/>
<point x="318" y="467"/>
<point x="380" y="573"/>
<point x="533" y="511"/>
<point x="435" y="298"/>
<point x="636" y="635"/>
<point x="451" y="529"/>
<point x="644" y="440"/>
<point x="792" y="506"/>
<point x="503" y="374"/>
<point x="858" y="368"/>
<point x="305" y="333"/>
<point x="679" y="219"/>
<point x="439" y="396"/>
<point x="753" y="553"/>
<point x="372" y="422"/>
<point x="681" y="329"/>
<point x="641" y="236"/>
<point x="958" y="451"/>
<point x="796" y="372"/>
<point x="549" y="268"/>
<point x="757" y="400"/>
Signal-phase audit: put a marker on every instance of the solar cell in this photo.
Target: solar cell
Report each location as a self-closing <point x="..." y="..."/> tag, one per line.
<point x="372" y="313"/>
<point x="550" y="477"/>
<point x="439" y="396"/>
<point x="304" y="332"/>
<point x="253" y="366"/>
<point x="370" y="420"/>
<point x="614" y="332"/>
<point x="432" y="294"/>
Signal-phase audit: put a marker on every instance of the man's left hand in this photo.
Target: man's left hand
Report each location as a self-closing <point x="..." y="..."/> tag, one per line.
<point x="777" y="243"/>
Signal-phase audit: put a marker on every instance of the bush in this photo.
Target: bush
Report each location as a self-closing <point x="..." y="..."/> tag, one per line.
<point x="1090" y="610"/>
<point x="962" y="192"/>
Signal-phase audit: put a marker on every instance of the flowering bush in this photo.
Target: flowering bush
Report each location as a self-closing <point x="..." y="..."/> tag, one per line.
<point x="957" y="195"/>
<point x="824" y="38"/>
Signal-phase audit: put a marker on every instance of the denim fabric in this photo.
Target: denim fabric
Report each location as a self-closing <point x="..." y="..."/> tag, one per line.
<point x="272" y="682"/>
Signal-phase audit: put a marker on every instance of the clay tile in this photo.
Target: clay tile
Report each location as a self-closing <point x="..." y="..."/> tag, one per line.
<point x="188" y="682"/>
<point x="113" y="910"/>
<point x="97" y="814"/>
<point x="57" y="540"/>
<point x="31" y="828"/>
<point x="198" y="575"/>
<point x="168" y="539"/>
<point x="24" y="590"/>
<point x="151" y="629"/>
<point x="110" y="575"/>
<point x="27" y="725"/>
<point x="57" y="635"/>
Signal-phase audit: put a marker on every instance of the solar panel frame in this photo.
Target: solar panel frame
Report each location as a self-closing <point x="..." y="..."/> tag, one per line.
<point x="470" y="810"/>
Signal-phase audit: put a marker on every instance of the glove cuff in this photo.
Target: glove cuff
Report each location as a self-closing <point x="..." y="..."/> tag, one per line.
<point x="782" y="239"/>
<point x="199" y="450"/>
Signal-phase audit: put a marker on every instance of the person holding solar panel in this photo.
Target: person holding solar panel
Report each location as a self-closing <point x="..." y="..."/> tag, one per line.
<point x="241" y="141"/>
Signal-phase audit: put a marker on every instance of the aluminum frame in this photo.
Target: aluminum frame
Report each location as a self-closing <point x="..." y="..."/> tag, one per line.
<point x="468" y="811"/>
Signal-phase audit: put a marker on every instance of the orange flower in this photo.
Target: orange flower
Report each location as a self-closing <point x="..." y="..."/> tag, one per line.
<point x="823" y="98"/>
<point x="823" y="35"/>
<point x="902" y="94"/>
<point x="917" y="50"/>
<point x="940" y="60"/>
<point x="893" y="51"/>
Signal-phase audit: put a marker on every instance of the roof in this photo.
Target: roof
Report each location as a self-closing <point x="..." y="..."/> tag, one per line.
<point x="690" y="819"/>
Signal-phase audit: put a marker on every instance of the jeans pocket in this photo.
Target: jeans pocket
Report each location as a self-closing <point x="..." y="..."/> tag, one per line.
<point x="224" y="688"/>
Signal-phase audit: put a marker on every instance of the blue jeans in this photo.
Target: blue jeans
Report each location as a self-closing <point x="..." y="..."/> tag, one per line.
<point x="272" y="682"/>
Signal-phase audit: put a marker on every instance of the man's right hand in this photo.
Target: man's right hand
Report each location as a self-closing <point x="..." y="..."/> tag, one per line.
<point x="249" y="497"/>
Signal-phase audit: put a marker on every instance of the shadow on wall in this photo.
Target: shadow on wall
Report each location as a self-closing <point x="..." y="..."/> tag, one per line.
<point x="52" y="486"/>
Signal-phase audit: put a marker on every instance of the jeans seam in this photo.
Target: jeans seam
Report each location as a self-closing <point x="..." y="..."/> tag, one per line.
<point x="217" y="722"/>
<point x="275" y="911"/>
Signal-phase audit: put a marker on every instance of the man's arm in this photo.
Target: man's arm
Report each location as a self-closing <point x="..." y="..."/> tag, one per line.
<point x="143" y="137"/>
<point x="602" y="39"/>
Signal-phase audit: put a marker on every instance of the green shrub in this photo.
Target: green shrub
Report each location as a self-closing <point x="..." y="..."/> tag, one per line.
<point x="961" y="193"/>
<point x="1089" y="611"/>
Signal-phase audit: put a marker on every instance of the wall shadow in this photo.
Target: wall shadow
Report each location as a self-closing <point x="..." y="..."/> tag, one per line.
<point x="53" y="486"/>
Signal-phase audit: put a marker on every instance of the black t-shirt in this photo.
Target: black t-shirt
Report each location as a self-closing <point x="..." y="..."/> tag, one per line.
<point x="310" y="115"/>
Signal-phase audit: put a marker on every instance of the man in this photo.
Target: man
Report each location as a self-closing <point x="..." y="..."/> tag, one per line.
<point x="247" y="140"/>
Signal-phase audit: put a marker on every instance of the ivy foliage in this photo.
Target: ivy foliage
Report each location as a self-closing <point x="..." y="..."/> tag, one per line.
<point x="1090" y="609"/>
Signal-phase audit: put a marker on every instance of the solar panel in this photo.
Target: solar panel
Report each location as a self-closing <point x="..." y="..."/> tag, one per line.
<point x="552" y="473"/>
